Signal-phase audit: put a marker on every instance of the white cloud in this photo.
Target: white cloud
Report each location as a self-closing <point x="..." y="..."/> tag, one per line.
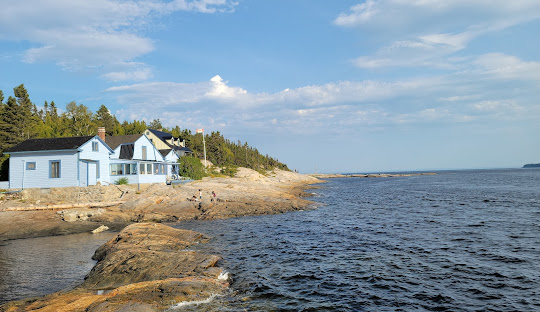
<point x="135" y="75"/>
<point x="98" y="34"/>
<point x="360" y="13"/>
<point x="437" y="14"/>
<point x="508" y="67"/>
<point x="467" y="96"/>
<point x="426" y="33"/>
<point x="220" y="89"/>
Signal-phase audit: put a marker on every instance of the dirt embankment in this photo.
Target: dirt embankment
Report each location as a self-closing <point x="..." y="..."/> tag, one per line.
<point x="45" y="212"/>
<point x="145" y="268"/>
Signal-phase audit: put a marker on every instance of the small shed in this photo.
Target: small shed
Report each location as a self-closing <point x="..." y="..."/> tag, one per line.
<point x="59" y="162"/>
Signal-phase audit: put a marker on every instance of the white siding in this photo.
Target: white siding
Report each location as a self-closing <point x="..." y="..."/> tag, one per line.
<point x="171" y="158"/>
<point x="101" y="157"/>
<point x="39" y="178"/>
<point x="152" y="152"/>
<point x="152" y="156"/>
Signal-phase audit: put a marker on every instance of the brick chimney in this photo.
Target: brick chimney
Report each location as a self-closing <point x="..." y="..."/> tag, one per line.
<point x="101" y="133"/>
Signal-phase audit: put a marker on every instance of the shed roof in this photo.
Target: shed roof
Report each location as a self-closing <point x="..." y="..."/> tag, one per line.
<point x="50" y="144"/>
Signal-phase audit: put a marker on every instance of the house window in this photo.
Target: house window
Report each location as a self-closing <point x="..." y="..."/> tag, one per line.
<point x="148" y="168"/>
<point x="54" y="169"/>
<point x="133" y="168"/>
<point x="130" y="169"/>
<point x="31" y="165"/>
<point x="142" y="167"/>
<point x="95" y="147"/>
<point x="127" y="170"/>
<point x="117" y="169"/>
<point x="144" y="152"/>
<point x="159" y="169"/>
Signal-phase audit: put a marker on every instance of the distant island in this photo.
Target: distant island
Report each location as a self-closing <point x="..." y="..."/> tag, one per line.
<point x="532" y="166"/>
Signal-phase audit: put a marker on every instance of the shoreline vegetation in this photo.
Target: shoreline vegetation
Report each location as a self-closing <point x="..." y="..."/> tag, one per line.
<point x="147" y="266"/>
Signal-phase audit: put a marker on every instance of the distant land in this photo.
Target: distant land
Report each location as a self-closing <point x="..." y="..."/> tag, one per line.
<point x="532" y="166"/>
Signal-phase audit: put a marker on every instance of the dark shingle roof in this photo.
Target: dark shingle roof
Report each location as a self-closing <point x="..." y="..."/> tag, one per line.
<point x="185" y="149"/>
<point x="161" y="135"/>
<point x="50" y="144"/>
<point x="164" y="152"/>
<point x="126" y="151"/>
<point x="115" y="141"/>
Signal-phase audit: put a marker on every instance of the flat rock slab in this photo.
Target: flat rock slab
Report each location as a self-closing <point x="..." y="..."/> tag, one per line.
<point x="146" y="267"/>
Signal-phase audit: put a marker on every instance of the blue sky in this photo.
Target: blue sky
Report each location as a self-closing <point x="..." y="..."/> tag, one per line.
<point x="341" y="86"/>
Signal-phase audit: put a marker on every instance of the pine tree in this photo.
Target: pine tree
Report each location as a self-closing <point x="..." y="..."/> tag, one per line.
<point x="105" y="119"/>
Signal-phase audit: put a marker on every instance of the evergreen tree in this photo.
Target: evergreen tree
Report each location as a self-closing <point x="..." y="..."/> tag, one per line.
<point x="10" y="120"/>
<point x="25" y="123"/>
<point x="155" y="124"/>
<point x="105" y="119"/>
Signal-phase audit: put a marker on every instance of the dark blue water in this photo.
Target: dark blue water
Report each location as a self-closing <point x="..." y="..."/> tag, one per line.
<point x="457" y="241"/>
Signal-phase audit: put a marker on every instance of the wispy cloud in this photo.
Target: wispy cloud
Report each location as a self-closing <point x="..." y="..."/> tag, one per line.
<point x="100" y="34"/>
<point x="462" y="97"/>
<point x="426" y="33"/>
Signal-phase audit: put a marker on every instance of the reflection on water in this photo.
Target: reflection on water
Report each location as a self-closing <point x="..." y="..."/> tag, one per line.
<point x="38" y="266"/>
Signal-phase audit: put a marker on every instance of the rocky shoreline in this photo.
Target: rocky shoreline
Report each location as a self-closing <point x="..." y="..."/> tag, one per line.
<point x="38" y="212"/>
<point x="147" y="266"/>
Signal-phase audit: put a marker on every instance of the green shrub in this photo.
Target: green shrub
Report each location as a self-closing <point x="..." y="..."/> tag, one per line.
<point x="192" y="167"/>
<point x="229" y="170"/>
<point x="121" y="181"/>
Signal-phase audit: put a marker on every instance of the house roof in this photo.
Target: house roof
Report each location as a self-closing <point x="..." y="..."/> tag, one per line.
<point x="117" y="140"/>
<point x="165" y="152"/>
<point x="50" y="144"/>
<point x="185" y="149"/>
<point x="161" y="135"/>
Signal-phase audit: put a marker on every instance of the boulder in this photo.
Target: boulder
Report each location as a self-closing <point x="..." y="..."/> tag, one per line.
<point x="100" y="229"/>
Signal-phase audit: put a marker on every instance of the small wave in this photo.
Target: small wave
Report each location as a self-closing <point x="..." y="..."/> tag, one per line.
<point x="223" y="276"/>
<point x="190" y="303"/>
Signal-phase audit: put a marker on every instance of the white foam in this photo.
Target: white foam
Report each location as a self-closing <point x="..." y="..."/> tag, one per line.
<point x="223" y="276"/>
<point x="189" y="303"/>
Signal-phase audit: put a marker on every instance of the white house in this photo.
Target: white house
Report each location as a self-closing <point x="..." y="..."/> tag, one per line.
<point x="59" y="162"/>
<point x="171" y="157"/>
<point x="137" y="159"/>
<point x="164" y="141"/>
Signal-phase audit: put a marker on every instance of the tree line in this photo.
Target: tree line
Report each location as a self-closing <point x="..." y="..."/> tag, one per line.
<point x="20" y="119"/>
